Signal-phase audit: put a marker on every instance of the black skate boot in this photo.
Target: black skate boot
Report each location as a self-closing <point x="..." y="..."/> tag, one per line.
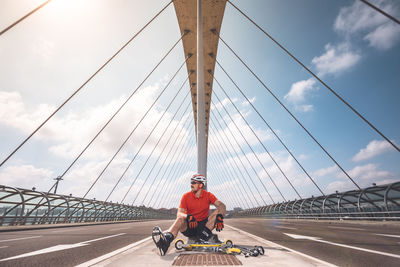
<point x="162" y="240"/>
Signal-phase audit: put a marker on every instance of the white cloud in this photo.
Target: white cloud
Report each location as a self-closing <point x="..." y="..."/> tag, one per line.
<point x="298" y="92"/>
<point x="305" y="108"/>
<point x="67" y="134"/>
<point x="223" y="103"/>
<point x="364" y="176"/>
<point x="299" y="89"/>
<point x="384" y="37"/>
<point x="378" y="30"/>
<point x="246" y="103"/>
<point x="359" y="16"/>
<point x="336" y="59"/>
<point x="27" y="176"/>
<point x="326" y="171"/>
<point x="374" y="148"/>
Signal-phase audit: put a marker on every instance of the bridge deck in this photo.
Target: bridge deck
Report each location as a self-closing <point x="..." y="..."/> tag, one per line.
<point x="144" y="253"/>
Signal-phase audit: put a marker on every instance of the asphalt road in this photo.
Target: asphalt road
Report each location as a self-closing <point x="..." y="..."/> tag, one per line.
<point x="118" y="235"/>
<point x="69" y="246"/>
<point x="377" y="237"/>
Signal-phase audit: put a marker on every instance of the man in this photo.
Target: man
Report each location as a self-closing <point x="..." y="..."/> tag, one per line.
<point x="192" y="217"/>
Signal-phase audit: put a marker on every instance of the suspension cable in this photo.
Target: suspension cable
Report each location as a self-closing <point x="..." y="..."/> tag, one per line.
<point x="227" y="162"/>
<point x="165" y="201"/>
<point x="380" y="11"/>
<point x="145" y="142"/>
<point x="223" y="193"/>
<point x="221" y="147"/>
<point x="141" y="169"/>
<point x="266" y="150"/>
<point x="244" y="167"/>
<point x="179" y="157"/>
<point x="170" y="167"/>
<point x="291" y="114"/>
<point x="147" y="138"/>
<point x="172" y="170"/>
<point x="119" y="109"/>
<point x="259" y="161"/>
<point x="270" y="128"/>
<point x="157" y="160"/>
<point x="24" y="17"/>
<point x="134" y="129"/>
<point x="91" y="77"/>
<point x="244" y="154"/>
<point x="225" y="179"/>
<point x="167" y="194"/>
<point x="168" y="153"/>
<point x="315" y="76"/>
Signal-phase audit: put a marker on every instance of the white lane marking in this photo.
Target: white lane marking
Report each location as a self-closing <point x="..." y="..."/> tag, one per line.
<point x="113" y="253"/>
<point x="396" y="236"/>
<point x="4" y="247"/>
<point x="347" y="228"/>
<point x="317" y="239"/>
<point x="22" y="238"/>
<point x="58" y="248"/>
<point x="270" y="243"/>
<point x="284" y="227"/>
<point x="116" y="229"/>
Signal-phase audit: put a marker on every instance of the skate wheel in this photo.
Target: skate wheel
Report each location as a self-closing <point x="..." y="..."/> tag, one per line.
<point x="229" y="243"/>
<point x="260" y="250"/>
<point x="179" y="244"/>
<point x="254" y="252"/>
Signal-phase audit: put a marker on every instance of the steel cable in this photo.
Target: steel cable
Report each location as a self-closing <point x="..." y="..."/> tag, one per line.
<point x="259" y="161"/>
<point x="73" y="94"/>
<point x="316" y="77"/>
<point x="291" y="114"/>
<point x="145" y="141"/>
<point x="244" y="154"/>
<point x="157" y="160"/>
<point x="270" y="128"/>
<point x="225" y="179"/>
<point x="24" y="17"/>
<point x="167" y="193"/>
<point x="381" y="11"/>
<point x="169" y="163"/>
<point x="168" y="153"/>
<point x="221" y="145"/>
<point x="240" y="160"/>
<point x="120" y="108"/>
<point x="134" y="129"/>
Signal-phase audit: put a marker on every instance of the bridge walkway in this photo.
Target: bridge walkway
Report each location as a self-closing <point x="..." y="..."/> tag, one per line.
<point x="144" y="253"/>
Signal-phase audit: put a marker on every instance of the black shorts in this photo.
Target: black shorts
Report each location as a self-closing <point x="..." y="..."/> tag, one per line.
<point x="193" y="232"/>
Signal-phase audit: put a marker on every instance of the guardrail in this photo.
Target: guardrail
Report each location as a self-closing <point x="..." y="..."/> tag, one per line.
<point x="372" y="203"/>
<point x="28" y="207"/>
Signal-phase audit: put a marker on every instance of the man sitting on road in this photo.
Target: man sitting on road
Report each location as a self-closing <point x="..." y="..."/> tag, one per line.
<point x="192" y="216"/>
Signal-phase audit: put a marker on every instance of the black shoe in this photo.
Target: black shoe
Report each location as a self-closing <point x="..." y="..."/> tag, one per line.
<point x="214" y="239"/>
<point x="162" y="240"/>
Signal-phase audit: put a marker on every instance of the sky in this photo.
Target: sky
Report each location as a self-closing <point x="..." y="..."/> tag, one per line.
<point x="45" y="58"/>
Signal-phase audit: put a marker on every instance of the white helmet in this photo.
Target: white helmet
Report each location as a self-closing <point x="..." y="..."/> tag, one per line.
<point x="199" y="178"/>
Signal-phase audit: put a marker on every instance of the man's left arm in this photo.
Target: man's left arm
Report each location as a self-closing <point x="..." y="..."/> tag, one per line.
<point x="221" y="208"/>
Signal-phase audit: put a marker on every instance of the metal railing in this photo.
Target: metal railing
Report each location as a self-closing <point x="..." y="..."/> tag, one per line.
<point x="372" y="203"/>
<point x="28" y="207"/>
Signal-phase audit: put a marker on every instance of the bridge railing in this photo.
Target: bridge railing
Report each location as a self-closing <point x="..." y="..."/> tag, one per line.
<point x="372" y="203"/>
<point x="28" y="207"/>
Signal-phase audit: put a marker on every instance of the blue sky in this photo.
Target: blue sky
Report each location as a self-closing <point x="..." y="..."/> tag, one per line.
<point x="352" y="48"/>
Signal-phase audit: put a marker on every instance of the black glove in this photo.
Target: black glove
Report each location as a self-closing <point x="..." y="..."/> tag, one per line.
<point x="191" y="220"/>
<point x="219" y="222"/>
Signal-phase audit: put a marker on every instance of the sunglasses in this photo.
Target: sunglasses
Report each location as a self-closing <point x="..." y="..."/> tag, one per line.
<point x="194" y="182"/>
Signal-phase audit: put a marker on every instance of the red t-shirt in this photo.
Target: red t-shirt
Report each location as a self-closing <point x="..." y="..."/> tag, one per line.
<point x="198" y="207"/>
